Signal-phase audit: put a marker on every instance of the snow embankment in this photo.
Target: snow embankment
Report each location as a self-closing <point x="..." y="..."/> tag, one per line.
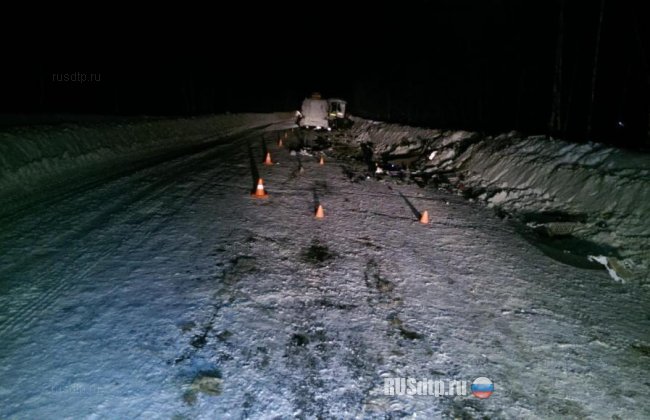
<point x="595" y="194"/>
<point x="36" y="158"/>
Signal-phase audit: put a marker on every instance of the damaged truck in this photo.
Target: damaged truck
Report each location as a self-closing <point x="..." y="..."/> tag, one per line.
<point x="323" y="114"/>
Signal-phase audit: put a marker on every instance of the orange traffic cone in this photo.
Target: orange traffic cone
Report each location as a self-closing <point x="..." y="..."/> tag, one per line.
<point x="424" y="218"/>
<point x="319" y="212"/>
<point x="267" y="161"/>
<point x="259" y="191"/>
<point x="322" y="160"/>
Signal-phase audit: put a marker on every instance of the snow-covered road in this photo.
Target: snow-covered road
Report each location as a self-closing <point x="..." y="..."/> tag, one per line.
<point x="169" y="292"/>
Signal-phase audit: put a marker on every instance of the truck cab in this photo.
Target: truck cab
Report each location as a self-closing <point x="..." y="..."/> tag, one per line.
<point x="314" y="113"/>
<point x="336" y="113"/>
<point x="319" y="113"/>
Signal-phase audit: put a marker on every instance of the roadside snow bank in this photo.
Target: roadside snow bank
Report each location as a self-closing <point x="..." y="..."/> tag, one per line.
<point x="36" y="158"/>
<point x="597" y="195"/>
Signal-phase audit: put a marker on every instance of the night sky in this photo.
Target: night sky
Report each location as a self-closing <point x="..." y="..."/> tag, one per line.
<point x="487" y="65"/>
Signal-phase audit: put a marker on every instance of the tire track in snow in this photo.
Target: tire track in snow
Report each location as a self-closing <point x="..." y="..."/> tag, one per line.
<point x="56" y="286"/>
<point x="25" y="316"/>
<point x="53" y="292"/>
<point x="90" y="179"/>
<point x="53" y="287"/>
<point x="175" y="166"/>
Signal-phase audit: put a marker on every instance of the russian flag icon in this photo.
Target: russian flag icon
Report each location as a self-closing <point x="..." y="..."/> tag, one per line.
<point x="482" y="387"/>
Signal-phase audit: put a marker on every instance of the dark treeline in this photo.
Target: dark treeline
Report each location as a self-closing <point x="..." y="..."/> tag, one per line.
<point x="575" y="70"/>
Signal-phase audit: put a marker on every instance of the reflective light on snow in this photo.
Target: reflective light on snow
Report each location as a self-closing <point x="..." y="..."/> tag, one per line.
<point x="163" y="289"/>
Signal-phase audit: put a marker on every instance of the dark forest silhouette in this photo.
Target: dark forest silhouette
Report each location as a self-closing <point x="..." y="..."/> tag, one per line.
<point x="569" y="70"/>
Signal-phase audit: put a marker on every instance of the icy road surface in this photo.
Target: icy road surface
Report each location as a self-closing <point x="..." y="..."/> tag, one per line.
<point x="169" y="292"/>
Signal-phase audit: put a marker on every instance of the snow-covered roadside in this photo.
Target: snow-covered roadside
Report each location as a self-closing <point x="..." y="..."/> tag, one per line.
<point x="170" y="293"/>
<point x="33" y="159"/>
<point x="596" y="194"/>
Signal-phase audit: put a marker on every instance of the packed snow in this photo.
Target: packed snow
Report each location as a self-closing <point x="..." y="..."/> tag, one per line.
<point x="597" y="196"/>
<point x="166" y="291"/>
<point x="38" y="159"/>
